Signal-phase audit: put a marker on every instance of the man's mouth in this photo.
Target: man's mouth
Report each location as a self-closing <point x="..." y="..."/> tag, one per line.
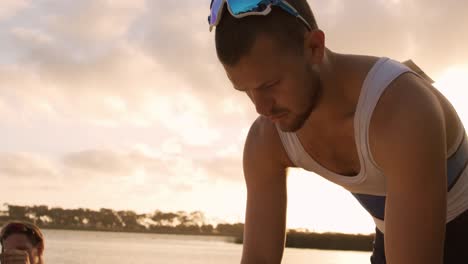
<point x="276" y="118"/>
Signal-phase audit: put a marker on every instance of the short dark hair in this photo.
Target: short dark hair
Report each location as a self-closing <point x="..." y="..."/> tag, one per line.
<point x="32" y="232"/>
<point x="235" y="37"/>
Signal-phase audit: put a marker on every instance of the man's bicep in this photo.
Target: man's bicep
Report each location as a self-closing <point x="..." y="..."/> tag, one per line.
<point x="265" y="220"/>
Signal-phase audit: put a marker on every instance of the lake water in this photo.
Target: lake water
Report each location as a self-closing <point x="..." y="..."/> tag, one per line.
<point x="80" y="247"/>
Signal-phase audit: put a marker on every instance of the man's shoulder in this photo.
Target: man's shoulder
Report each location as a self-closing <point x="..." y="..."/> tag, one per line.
<point x="263" y="135"/>
<point x="263" y="141"/>
<point x="407" y="109"/>
<point x="407" y="93"/>
<point x="262" y="128"/>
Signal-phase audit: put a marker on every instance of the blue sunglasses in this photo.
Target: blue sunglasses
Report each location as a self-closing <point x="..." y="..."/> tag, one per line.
<point x="243" y="8"/>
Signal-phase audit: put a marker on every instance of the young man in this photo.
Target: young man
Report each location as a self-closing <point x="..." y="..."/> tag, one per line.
<point x="368" y="124"/>
<point x="22" y="243"/>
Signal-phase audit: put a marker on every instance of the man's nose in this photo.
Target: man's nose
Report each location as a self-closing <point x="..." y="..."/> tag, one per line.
<point x="263" y="102"/>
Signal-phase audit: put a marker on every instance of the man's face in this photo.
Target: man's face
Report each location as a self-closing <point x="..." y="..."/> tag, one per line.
<point x="21" y="242"/>
<point x="283" y="86"/>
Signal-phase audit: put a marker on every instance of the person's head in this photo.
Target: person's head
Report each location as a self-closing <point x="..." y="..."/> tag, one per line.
<point x="274" y="59"/>
<point x="23" y="236"/>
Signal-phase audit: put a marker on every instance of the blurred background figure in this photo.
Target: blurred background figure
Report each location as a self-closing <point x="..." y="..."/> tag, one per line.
<point x="22" y="243"/>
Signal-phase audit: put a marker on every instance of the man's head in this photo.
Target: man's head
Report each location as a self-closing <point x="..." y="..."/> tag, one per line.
<point x="23" y="236"/>
<point x="274" y="59"/>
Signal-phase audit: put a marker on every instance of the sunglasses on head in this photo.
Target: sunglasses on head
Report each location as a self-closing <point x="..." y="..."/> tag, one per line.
<point x="20" y="228"/>
<point x="243" y="8"/>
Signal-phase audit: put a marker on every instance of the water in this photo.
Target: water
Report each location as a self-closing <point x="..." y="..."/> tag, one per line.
<point x="79" y="247"/>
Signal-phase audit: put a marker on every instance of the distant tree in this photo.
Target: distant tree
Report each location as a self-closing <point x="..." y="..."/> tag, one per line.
<point x="183" y="217"/>
<point x="207" y="229"/>
<point x="162" y="218"/>
<point x="40" y="210"/>
<point x="108" y="218"/>
<point x="197" y="218"/>
<point x="58" y="216"/>
<point x="179" y="222"/>
<point x="17" y="212"/>
<point x="130" y="220"/>
<point x="231" y="229"/>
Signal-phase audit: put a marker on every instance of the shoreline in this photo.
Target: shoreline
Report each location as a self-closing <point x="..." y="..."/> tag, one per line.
<point x="298" y="240"/>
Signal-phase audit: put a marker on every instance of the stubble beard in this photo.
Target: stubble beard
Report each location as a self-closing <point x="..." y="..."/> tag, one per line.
<point x="299" y="120"/>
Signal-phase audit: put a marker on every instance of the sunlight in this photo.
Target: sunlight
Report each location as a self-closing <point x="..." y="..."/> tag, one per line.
<point x="322" y="206"/>
<point x="453" y="84"/>
<point x="454" y="76"/>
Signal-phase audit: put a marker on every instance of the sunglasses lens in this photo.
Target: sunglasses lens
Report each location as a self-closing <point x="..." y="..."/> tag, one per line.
<point x="244" y="6"/>
<point x="216" y="5"/>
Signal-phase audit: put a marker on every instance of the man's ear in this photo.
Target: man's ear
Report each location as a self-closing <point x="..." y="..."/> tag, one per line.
<point x="314" y="44"/>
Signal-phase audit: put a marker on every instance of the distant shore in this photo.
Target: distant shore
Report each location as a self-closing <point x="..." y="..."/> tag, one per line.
<point x="169" y="223"/>
<point x="234" y="239"/>
<point x="326" y="241"/>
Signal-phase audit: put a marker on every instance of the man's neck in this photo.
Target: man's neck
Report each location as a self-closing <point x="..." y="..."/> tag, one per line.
<point x="342" y="77"/>
<point x="336" y="79"/>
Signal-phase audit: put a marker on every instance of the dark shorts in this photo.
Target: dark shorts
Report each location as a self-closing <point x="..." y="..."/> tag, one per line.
<point x="456" y="242"/>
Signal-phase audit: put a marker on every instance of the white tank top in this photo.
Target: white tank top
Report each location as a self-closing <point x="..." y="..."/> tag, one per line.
<point x="369" y="185"/>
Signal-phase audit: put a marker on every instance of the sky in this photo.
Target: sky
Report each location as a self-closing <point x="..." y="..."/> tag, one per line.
<point x="123" y="104"/>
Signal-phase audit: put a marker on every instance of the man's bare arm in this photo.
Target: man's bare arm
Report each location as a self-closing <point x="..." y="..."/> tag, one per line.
<point x="408" y="141"/>
<point x="265" y="176"/>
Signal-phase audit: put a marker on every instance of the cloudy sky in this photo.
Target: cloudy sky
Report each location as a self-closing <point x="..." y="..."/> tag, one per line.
<point x="122" y="103"/>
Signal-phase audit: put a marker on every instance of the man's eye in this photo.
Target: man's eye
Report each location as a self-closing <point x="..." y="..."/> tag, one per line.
<point x="269" y="86"/>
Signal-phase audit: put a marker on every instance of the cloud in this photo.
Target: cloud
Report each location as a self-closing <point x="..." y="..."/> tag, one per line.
<point x="224" y="169"/>
<point x="12" y="7"/>
<point x="149" y="178"/>
<point x="101" y="88"/>
<point x="141" y="178"/>
<point x="120" y="62"/>
<point x="431" y="33"/>
<point x="155" y="165"/>
<point x="149" y="70"/>
<point x="140" y="165"/>
<point x="121" y="86"/>
<point x="99" y="161"/>
<point x="89" y="21"/>
<point x="31" y="36"/>
<point x="154" y="69"/>
<point x="4" y="110"/>
<point x="180" y="40"/>
<point x="20" y="166"/>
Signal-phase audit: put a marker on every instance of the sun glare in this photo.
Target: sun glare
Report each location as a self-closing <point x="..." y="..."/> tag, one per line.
<point x="321" y="206"/>
<point x="453" y="83"/>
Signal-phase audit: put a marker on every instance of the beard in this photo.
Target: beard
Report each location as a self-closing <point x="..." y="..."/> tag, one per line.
<point x="314" y="92"/>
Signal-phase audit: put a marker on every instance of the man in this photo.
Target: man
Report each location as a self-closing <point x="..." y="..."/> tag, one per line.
<point x="368" y="124"/>
<point x="22" y="243"/>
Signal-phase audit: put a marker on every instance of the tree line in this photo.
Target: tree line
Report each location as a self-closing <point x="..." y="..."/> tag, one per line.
<point x="180" y="222"/>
